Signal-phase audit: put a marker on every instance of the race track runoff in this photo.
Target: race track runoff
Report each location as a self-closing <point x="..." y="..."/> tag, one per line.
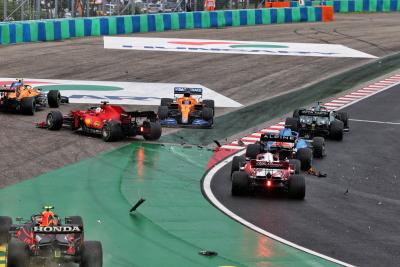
<point x="351" y="215"/>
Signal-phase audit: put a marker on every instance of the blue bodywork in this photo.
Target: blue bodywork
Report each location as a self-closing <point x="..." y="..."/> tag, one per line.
<point x="286" y="132"/>
<point x="197" y="123"/>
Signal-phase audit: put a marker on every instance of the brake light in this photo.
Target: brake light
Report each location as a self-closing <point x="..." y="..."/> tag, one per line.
<point x="141" y="129"/>
<point x="269" y="183"/>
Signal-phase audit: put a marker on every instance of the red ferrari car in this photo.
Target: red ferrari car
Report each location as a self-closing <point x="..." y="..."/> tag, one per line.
<point x="111" y="121"/>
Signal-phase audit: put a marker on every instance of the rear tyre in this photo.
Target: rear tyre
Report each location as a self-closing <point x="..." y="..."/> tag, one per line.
<point x="163" y="112"/>
<point x="292" y="124"/>
<point x="296" y="165"/>
<point x="54" y="120"/>
<point x="253" y="150"/>
<point x="54" y="98"/>
<point x="18" y="254"/>
<point x="92" y="254"/>
<point x="76" y="220"/>
<point x="318" y="147"/>
<point x="296" y="113"/>
<point x="305" y="157"/>
<point x="165" y="102"/>
<point x="336" y="130"/>
<point x="236" y="162"/>
<point x="207" y="114"/>
<point x="111" y="131"/>
<point x="152" y="131"/>
<point x="28" y="105"/>
<point x="240" y="184"/>
<point x="344" y="117"/>
<point x="5" y="224"/>
<point x="297" y="187"/>
<point x="209" y="103"/>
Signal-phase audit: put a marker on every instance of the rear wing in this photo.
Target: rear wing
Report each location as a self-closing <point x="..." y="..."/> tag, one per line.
<point x="64" y="229"/>
<point x="7" y="89"/>
<point x="277" y="138"/>
<point x="192" y="91"/>
<point x="314" y="113"/>
<point x="269" y="165"/>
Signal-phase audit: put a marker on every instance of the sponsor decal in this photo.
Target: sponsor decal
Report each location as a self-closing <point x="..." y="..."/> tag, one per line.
<point x="232" y="47"/>
<point x="57" y="229"/>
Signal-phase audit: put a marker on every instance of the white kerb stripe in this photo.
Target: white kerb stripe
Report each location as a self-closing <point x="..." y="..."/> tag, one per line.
<point x="333" y="104"/>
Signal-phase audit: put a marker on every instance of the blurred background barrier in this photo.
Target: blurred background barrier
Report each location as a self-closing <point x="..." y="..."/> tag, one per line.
<point x="61" y="29"/>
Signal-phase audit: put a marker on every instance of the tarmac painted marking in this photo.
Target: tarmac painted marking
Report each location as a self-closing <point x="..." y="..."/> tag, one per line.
<point x="380" y="122"/>
<point x="333" y="104"/>
<point x="340" y="101"/>
<point x="250" y="138"/>
<point x="232" y="147"/>
<point x="269" y="130"/>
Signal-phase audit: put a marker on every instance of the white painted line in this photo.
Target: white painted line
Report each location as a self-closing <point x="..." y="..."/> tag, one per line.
<point x="375" y="86"/>
<point x="355" y="93"/>
<point x="231" y="147"/>
<point x="248" y="138"/>
<point x="380" y="122"/>
<point x="340" y="101"/>
<point x="256" y="134"/>
<point x="281" y="123"/>
<point x="208" y="192"/>
<point x="269" y="130"/>
<point x="333" y="104"/>
<point x="353" y="96"/>
<point x="279" y="127"/>
<point x="346" y="98"/>
<point x="365" y="91"/>
<point x="371" y="89"/>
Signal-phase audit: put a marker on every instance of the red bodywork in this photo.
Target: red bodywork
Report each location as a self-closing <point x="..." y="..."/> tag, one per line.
<point x="96" y="117"/>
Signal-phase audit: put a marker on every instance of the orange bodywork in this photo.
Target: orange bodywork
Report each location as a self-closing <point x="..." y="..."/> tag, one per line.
<point x="22" y="92"/>
<point x="186" y="104"/>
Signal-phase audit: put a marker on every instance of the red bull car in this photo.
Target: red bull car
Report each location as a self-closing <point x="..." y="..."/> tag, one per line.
<point x="45" y="239"/>
<point x="187" y="109"/>
<point x="112" y="122"/>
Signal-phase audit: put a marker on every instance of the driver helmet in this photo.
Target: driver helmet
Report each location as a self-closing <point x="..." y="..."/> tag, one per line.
<point x="268" y="157"/>
<point x="98" y="110"/>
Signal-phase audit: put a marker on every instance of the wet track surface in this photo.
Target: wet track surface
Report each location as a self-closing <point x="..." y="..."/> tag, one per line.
<point x="352" y="214"/>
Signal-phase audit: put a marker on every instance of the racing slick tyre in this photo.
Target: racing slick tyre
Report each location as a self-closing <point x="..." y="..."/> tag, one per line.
<point x="209" y="103"/>
<point x="253" y="150"/>
<point x="163" y="112"/>
<point x="318" y="147"/>
<point x="17" y="254"/>
<point x="207" y="114"/>
<point x="28" y="105"/>
<point x="54" y="98"/>
<point x="236" y="162"/>
<point x="336" y="130"/>
<point x="305" y="157"/>
<point x="111" y="131"/>
<point x="344" y="117"/>
<point x="292" y="124"/>
<point x="297" y="187"/>
<point x="54" y="120"/>
<point x="152" y="131"/>
<point x="92" y="254"/>
<point x="5" y="224"/>
<point x="296" y="164"/>
<point x="166" y="102"/>
<point x="240" y="184"/>
<point x="76" y="220"/>
<point x="296" y="113"/>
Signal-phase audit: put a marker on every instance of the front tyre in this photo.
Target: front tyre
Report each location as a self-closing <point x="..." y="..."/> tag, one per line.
<point x="318" y="147"/>
<point x="236" y="162"/>
<point x="54" y="98"/>
<point x="28" y="105"/>
<point x="54" y="120"/>
<point x="336" y="130"/>
<point x="305" y="157"/>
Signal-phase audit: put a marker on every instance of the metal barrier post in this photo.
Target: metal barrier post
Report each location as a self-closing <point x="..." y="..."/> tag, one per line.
<point x="5" y="12"/>
<point x="73" y="8"/>
<point x="56" y="9"/>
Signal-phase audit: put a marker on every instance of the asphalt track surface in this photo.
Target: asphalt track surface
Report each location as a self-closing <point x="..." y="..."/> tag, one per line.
<point x="27" y="151"/>
<point x="351" y="215"/>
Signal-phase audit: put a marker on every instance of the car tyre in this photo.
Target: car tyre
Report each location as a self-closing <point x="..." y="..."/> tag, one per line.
<point x="296" y="165"/>
<point x="165" y="102"/>
<point x="318" y="147"/>
<point x="236" y="162"/>
<point x="5" y="224"/>
<point x="54" y="120"/>
<point x="152" y="131"/>
<point x="54" y="98"/>
<point x="297" y="187"/>
<point x="111" y="131"/>
<point x="28" y="105"/>
<point x="253" y="150"/>
<point x="336" y="130"/>
<point x="292" y="124"/>
<point x="240" y="184"/>
<point x="305" y="157"/>
<point x="92" y="254"/>
<point x="17" y="254"/>
<point x="207" y="114"/>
